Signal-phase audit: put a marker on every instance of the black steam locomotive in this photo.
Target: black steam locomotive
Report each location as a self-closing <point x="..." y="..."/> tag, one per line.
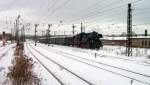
<point x="83" y="40"/>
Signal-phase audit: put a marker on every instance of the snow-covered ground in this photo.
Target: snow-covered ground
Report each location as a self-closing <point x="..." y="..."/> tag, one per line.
<point x="62" y="65"/>
<point x="139" y="54"/>
<point x="6" y="56"/>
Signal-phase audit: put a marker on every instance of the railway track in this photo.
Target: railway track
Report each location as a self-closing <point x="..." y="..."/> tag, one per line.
<point x="147" y="64"/>
<point x="86" y="81"/>
<point x="3" y="47"/>
<point x="98" y="62"/>
<point x="104" y="64"/>
<point x="60" y="82"/>
<point x="5" y="52"/>
<point x="67" y="55"/>
<point x="102" y="55"/>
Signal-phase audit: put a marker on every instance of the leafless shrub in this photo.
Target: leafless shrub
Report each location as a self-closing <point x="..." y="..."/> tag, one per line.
<point x="20" y="73"/>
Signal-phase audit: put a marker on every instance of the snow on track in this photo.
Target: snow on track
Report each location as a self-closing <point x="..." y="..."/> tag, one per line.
<point x="102" y="53"/>
<point x="5" y="50"/>
<point x="132" y="75"/>
<point x="108" y="68"/>
<point x="65" y="75"/>
<point x="61" y="83"/>
<point x="137" y="68"/>
<point x="5" y="62"/>
<point x="94" y="75"/>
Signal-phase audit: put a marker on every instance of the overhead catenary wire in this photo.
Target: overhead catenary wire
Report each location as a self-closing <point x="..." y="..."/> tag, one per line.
<point x="138" y="1"/>
<point x="89" y="8"/>
<point x="97" y="16"/>
<point x="56" y="9"/>
<point x="50" y="8"/>
<point x="87" y="16"/>
<point x="106" y="16"/>
<point x="140" y="12"/>
<point x="108" y="20"/>
<point x="100" y="13"/>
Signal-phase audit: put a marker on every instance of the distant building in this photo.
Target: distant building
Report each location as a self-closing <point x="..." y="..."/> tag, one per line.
<point x="121" y="41"/>
<point x="139" y="41"/>
<point x="142" y="42"/>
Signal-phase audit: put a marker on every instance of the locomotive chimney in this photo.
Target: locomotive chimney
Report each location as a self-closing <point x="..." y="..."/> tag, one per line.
<point x="81" y="27"/>
<point x="145" y="32"/>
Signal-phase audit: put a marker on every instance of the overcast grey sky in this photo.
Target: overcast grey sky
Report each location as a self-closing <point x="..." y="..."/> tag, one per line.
<point x="104" y="16"/>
